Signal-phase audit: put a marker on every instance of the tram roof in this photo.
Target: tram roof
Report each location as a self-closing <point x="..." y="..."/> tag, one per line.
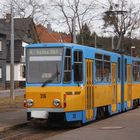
<point x="87" y="49"/>
<point x="71" y="45"/>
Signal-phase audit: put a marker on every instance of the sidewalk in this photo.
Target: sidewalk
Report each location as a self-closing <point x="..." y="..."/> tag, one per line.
<point x="8" y="90"/>
<point x="125" y="126"/>
<point x="11" y="119"/>
<point x="6" y="93"/>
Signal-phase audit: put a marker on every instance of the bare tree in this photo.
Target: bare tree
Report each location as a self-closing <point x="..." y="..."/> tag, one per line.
<point x="35" y="9"/>
<point x="123" y="18"/>
<point x="75" y="10"/>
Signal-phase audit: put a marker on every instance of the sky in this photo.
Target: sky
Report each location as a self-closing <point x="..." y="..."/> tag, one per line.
<point x="97" y="23"/>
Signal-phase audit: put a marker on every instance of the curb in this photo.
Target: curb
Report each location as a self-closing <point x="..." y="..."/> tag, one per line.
<point x="13" y="127"/>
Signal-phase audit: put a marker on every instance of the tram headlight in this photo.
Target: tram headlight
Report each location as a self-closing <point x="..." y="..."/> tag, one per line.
<point x="56" y="102"/>
<point x="29" y="102"/>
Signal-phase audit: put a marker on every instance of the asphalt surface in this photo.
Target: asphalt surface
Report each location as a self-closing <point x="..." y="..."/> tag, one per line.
<point x="125" y="126"/>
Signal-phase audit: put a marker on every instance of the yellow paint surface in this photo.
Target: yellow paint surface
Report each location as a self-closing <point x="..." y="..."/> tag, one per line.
<point x="74" y="101"/>
<point x="135" y="91"/>
<point x="103" y="95"/>
<point x="131" y="92"/>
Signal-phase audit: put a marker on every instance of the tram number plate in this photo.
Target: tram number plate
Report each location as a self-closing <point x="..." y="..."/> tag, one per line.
<point x="42" y="96"/>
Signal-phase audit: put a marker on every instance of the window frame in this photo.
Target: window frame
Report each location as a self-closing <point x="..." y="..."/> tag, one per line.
<point x="102" y="68"/>
<point x="101" y="61"/>
<point x="78" y="62"/>
<point x="65" y="82"/>
<point x="107" y="61"/>
<point x="119" y="70"/>
<point x="0" y="45"/>
<point x="137" y="66"/>
<point x="23" y="70"/>
<point x="125" y="70"/>
<point x="1" y="73"/>
<point x="27" y="64"/>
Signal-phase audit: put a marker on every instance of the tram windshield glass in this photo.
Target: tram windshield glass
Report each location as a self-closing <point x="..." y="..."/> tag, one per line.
<point x="44" y="65"/>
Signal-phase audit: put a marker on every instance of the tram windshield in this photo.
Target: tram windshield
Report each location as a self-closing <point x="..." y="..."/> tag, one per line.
<point x="44" y="65"/>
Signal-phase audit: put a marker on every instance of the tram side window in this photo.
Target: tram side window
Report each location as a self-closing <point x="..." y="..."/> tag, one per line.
<point x="107" y="69"/>
<point x="67" y="66"/>
<point x="136" y="71"/>
<point x="119" y="76"/>
<point x="99" y="67"/>
<point x="78" y="66"/>
<point x="125" y="70"/>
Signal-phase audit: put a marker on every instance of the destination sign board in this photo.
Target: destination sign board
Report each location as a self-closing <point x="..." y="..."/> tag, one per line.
<point x="45" y="51"/>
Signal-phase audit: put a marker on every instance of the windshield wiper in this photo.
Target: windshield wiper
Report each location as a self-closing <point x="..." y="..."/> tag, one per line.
<point x="51" y="78"/>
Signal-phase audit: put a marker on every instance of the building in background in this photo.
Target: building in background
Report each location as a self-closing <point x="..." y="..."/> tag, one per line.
<point x="47" y="35"/>
<point x="2" y="60"/>
<point x="25" y="33"/>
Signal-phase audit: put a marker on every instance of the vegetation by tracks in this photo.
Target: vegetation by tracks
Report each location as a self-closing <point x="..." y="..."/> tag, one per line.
<point x="6" y="104"/>
<point x="29" y="132"/>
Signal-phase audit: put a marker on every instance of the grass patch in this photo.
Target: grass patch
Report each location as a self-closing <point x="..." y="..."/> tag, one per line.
<point x="7" y="104"/>
<point x="8" y="100"/>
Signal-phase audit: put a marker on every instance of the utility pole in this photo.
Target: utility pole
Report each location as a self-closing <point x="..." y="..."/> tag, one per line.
<point x="113" y="43"/>
<point x="12" y="55"/>
<point x="95" y="40"/>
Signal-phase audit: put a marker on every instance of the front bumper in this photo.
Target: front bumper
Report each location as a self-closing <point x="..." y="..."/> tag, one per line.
<point x="42" y="113"/>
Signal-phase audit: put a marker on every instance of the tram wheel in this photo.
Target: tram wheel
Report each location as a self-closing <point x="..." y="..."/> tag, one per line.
<point x="100" y="113"/>
<point x="135" y="103"/>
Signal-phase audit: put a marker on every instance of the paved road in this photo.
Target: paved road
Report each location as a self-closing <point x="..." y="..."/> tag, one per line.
<point x="124" y="126"/>
<point x="6" y="93"/>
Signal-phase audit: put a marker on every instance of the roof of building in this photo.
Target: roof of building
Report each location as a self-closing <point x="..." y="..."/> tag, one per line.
<point x="22" y="27"/>
<point x="51" y="37"/>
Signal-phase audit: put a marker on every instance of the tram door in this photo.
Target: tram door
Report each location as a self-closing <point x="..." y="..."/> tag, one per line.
<point x="89" y="90"/>
<point x="114" y="88"/>
<point x="129" y="95"/>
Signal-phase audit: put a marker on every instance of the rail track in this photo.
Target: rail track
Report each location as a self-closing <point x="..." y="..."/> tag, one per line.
<point x="29" y="132"/>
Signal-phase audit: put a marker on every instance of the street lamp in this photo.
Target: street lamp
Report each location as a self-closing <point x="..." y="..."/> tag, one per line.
<point x="132" y="47"/>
